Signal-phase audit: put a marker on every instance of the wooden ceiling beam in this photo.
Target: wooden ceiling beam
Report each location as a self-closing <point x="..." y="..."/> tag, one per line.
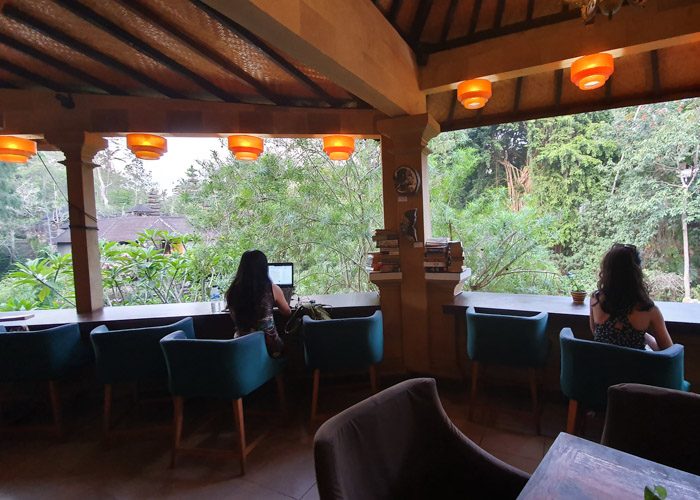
<point x="351" y="43"/>
<point x="31" y="76"/>
<point x="60" y="65"/>
<point x="449" y="18"/>
<point x="35" y="24"/>
<point x="269" y="52"/>
<point x="147" y="13"/>
<point x="139" y="45"/>
<point x="658" y="25"/>
<point x="33" y="112"/>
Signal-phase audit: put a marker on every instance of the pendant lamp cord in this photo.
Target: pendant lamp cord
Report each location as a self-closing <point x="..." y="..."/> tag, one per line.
<point x="71" y="205"/>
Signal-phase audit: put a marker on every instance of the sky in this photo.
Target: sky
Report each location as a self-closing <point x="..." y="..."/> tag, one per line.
<point x="182" y="152"/>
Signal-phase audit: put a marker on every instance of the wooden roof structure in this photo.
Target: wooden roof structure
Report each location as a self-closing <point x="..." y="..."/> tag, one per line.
<point x="396" y="56"/>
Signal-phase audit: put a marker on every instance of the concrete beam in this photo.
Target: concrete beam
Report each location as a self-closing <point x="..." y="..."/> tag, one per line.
<point x="660" y="24"/>
<point x="349" y="42"/>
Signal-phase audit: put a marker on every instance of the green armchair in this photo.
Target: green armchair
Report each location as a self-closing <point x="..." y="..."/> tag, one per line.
<point x="588" y="368"/>
<point x="43" y="355"/>
<point x="222" y="369"/>
<point x="342" y="345"/>
<point x="131" y="356"/>
<point x="508" y="340"/>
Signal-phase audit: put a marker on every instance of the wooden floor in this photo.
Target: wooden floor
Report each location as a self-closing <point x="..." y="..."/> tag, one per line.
<point x="281" y="467"/>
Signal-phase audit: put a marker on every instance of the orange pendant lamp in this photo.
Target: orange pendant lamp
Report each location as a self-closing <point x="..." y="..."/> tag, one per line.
<point x="16" y="149"/>
<point x="591" y="72"/>
<point x="474" y="94"/>
<point x="245" y="147"/>
<point x="147" y="146"/>
<point x="338" y="147"/>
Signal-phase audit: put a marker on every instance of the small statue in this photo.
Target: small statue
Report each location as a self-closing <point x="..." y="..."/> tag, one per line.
<point x="408" y="224"/>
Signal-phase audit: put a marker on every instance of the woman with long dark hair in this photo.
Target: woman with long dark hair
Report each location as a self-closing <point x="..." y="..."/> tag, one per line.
<point x="622" y="313"/>
<point x="251" y="299"/>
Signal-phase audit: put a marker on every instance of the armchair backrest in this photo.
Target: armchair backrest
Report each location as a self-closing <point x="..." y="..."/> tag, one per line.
<point x="343" y="344"/>
<point x="41" y="354"/>
<point x="227" y="369"/>
<point x="588" y="368"/>
<point x="401" y="444"/>
<point x="507" y="339"/>
<point x="133" y="354"/>
<point x="655" y="423"/>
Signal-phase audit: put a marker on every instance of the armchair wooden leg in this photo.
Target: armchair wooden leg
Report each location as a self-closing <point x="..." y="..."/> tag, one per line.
<point x="281" y="393"/>
<point x="472" y="399"/>
<point x="56" y="407"/>
<point x="107" y="411"/>
<point x="572" y="417"/>
<point x="240" y="428"/>
<point x="373" y="379"/>
<point x="314" y="395"/>
<point x="178" y="403"/>
<point x="532" y="372"/>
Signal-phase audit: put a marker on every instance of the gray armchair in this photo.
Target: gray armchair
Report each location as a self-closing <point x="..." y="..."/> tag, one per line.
<point x="401" y="444"/>
<point x="655" y="423"/>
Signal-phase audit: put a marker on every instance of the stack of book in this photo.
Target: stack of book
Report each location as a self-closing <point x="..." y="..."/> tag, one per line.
<point x="386" y="260"/>
<point x="443" y="256"/>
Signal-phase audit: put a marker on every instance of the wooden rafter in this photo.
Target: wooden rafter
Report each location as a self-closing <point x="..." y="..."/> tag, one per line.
<point x="147" y="13"/>
<point x="28" y="20"/>
<point x="478" y="36"/>
<point x="498" y="18"/>
<point x="274" y="56"/>
<point x="139" y="45"/>
<point x="449" y="18"/>
<point x="418" y="24"/>
<point x="60" y="65"/>
<point x="31" y="76"/>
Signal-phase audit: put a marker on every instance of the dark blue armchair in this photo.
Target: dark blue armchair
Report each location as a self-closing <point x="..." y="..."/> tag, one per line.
<point x="588" y="368"/>
<point x="507" y="340"/>
<point x="223" y="369"/>
<point x="43" y="355"/>
<point x="342" y="345"/>
<point x="131" y="356"/>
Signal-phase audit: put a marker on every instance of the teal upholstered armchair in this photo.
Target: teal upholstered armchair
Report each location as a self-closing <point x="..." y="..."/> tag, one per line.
<point x="507" y="340"/>
<point x="43" y="355"/>
<point x="223" y="369"/>
<point x="342" y="345"/>
<point x="131" y="356"/>
<point x="588" y="368"/>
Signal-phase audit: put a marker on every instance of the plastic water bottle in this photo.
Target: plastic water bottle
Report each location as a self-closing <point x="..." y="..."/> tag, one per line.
<point x="215" y="299"/>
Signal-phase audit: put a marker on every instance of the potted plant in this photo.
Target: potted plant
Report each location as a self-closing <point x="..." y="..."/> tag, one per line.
<point x="578" y="291"/>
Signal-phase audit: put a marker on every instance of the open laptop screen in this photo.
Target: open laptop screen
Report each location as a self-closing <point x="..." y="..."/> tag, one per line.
<point x="282" y="273"/>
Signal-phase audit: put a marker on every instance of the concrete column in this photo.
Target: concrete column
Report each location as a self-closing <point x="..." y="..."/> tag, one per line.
<point x="404" y="142"/>
<point x="79" y="152"/>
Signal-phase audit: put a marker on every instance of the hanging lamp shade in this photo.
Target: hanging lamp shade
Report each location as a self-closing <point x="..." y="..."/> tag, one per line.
<point x="338" y="147"/>
<point x="474" y="94"/>
<point x="16" y="149"/>
<point x="245" y="147"/>
<point x="147" y="146"/>
<point x="591" y="72"/>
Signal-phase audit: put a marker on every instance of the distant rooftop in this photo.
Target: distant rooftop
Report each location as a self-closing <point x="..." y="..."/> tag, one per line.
<point x="127" y="227"/>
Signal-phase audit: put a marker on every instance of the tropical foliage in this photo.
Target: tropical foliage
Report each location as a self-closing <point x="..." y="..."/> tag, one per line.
<point x="536" y="205"/>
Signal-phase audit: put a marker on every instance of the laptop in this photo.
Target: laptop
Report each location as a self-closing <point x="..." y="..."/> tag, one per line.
<point x="282" y="275"/>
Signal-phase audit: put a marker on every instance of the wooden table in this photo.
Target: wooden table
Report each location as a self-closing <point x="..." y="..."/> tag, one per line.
<point x="575" y="468"/>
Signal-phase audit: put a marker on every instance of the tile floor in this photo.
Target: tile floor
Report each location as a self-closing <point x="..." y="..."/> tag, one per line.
<point x="281" y="467"/>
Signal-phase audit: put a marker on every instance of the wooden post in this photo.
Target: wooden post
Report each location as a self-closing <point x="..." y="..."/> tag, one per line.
<point x="404" y="142"/>
<point x="83" y="217"/>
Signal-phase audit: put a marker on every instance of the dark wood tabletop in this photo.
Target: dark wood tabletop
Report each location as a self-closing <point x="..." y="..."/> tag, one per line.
<point x="344" y="302"/>
<point x="576" y="468"/>
<point x="674" y="312"/>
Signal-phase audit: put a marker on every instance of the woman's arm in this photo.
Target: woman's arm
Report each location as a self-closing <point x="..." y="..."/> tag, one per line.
<point x="280" y="301"/>
<point x="658" y="330"/>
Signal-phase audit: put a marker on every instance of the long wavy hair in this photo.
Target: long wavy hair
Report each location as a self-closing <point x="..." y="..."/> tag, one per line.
<point x="621" y="282"/>
<point x="248" y="289"/>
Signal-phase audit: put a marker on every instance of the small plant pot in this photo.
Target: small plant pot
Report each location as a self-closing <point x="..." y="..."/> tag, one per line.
<point x="578" y="297"/>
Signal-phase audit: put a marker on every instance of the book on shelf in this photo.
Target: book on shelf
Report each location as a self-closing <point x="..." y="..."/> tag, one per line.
<point x="388" y="244"/>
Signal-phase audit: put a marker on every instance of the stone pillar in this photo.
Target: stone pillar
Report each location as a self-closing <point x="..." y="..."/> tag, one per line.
<point x="79" y="151"/>
<point x="404" y="142"/>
